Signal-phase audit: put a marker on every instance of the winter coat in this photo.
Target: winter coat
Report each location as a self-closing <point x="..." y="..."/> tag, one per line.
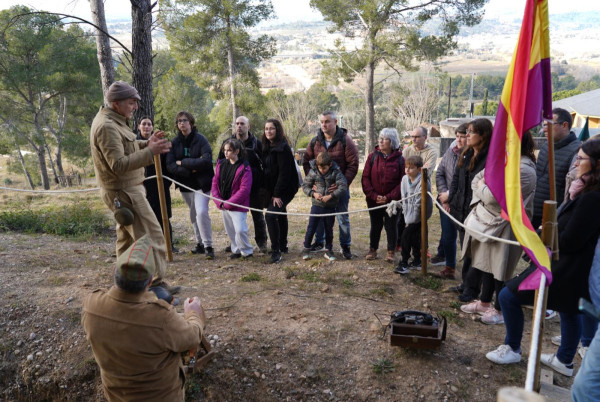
<point x="446" y="168"/>
<point x="345" y="157"/>
<point x="323" y="182"/>
<point x="578" y="231"/>
<point x="196" y="169"/>
<point x="491" y="256"/>
<point x="118" y="156"/>
<point x="460" y="188"/>
<point x="281" y="178"/>
<point x="137" y="341"/>
<point x="411" y="208"/>
<point x="240" y="187"/>
<point x="428" y="154"/>
<point x="564" y="151"/>
<point x="254" y="156"/>
<point x="383" y="176"/>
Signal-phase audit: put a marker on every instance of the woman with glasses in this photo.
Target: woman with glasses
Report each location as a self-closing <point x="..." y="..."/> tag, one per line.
<point x="190" y="163"/>
<point x="381" y="180"/>
<point x="578" y="231"/>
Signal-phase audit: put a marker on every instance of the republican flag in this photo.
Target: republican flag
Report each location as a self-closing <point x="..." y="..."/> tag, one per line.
<point x="526" y="97"/>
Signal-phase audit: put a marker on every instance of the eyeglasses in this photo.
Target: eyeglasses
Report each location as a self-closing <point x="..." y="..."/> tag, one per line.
<point x="581" y="158"/>
<point x="383" y="139"/>
<point x="414" y="137"/>
<point x="182" y="121"/>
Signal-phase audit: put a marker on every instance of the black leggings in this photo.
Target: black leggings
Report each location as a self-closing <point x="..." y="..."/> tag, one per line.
<point x="380" y="219"/>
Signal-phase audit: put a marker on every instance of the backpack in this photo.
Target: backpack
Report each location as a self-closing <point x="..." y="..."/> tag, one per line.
<point x="375" y="155"/>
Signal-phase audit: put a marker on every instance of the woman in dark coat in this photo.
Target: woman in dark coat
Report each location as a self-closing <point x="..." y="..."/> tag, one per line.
<point x="471" y="161"/>
<point x="280" y="184"/>
<point x="381" y="180"/>
<point x="146" y="129"/>
<point x="578" y="231"/>
<point x="190" y="162"/>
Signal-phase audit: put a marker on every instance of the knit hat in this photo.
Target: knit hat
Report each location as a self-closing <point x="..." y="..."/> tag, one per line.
<point x="120" y="90"/>
<point x="137" y="262"/>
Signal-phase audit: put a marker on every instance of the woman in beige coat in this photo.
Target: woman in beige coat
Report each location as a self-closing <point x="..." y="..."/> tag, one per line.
<point x="495" y="262"/>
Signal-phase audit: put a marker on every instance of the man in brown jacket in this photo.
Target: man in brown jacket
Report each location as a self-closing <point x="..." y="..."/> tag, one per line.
<point x="137" y="339"/>
<point x="337" y="143"/>
<point x="119" y="161"/>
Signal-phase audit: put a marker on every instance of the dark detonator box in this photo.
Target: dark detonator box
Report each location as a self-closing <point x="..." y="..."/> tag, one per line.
<point x="415" y="329"/>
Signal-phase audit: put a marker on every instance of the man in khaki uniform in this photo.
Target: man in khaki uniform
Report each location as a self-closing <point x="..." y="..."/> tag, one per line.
<point x="137" y="339"/>
<point x="119" y="160"/>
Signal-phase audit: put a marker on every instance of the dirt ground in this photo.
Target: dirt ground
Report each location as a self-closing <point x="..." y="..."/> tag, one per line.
<point x="297" y="330"/>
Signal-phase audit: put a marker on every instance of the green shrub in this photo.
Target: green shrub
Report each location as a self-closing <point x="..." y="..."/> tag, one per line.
<point x="71" y="220"/>
<point x="251" y="277"/>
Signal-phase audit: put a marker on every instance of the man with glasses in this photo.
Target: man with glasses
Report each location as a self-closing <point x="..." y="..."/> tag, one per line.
<point x="253" y="147"/>
<point x="119" y="160"/>
<point x="419" y="147"/>
<point x="566" y="145"/>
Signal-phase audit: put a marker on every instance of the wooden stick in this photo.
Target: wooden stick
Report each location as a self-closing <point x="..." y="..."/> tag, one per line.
<point x="163" y="207"/>
<point x="424" y="244"/>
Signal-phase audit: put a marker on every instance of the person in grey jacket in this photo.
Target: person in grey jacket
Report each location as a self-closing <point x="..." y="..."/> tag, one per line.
<point x="566" y="145"/>
<point x="443" y="178"/>
<point x="411" y="209"/>
<point x="323" y="174"/>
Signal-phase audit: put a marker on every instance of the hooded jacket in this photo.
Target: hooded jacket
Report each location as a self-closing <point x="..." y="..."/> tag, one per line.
<point x="240" y="187"/>
<point x="323" y="182"/>
<point x="345" y="157"/>
<point x="254" y="155"/>
<point x="195" y="154"/>
<point x="281" y="178"/>
<point x="411" y="207"/>
<point x="383" y="176"/>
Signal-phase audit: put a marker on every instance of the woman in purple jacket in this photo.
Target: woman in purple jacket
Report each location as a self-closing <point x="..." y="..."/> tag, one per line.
<point x="381" y="179"/>
<point x="232" y="182"/>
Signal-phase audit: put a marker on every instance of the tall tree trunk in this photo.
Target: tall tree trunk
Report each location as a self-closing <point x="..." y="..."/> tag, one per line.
<point x="141" y="49"/>
<point x="62" y="121"/>
<point x="41" y="154"/>
<point x="370" y="139"/>
<point x="22" y="160"/>
<point x="107" y="68"/>
<point x="51" y="163"/>
<point x="234" y="107"/>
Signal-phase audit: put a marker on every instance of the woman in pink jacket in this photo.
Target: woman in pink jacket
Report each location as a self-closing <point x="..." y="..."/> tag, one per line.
<point x="232" y="183"/>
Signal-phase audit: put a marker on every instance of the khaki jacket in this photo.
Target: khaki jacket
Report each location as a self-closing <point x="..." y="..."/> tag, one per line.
<point x="137" y="341"/>
<point x="428" y="154"/>
<point x="119" y="158"/>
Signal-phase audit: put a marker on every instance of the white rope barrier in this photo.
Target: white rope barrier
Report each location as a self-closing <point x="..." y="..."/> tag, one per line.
<point x="391" y="207"/>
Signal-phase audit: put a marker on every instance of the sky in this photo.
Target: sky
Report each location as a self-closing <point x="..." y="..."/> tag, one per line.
<point x="287" y="10"/>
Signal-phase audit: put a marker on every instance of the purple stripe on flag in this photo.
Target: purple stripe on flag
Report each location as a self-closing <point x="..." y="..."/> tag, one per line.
<point x="496" y="159"/>
<point x="547" y="87"/>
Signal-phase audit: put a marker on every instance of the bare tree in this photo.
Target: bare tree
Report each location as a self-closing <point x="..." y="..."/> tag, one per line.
<point x="414" y="101"/>
<point x="295" y="111"/>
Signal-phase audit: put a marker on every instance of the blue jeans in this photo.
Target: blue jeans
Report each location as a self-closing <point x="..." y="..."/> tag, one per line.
<point x="512" y="311"/>
<point x="343" y="222"/>
<point x="588" y="329"/>
<point x="448" y="240"/>
<point x="315" y="221"/>
<point x="586" y="386"/>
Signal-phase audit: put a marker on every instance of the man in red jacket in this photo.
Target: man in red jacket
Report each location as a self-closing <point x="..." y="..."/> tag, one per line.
<point x="338" y="144"/>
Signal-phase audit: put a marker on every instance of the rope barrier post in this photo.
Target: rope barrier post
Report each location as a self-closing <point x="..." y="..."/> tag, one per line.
<point x="424" y="244"/>
<point x="163" y="207"/>
<point x="532" y="382"/>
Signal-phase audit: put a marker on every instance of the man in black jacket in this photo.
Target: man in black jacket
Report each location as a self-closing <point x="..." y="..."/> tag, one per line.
<point x="566" y="145"/>
<point x="254" y="155"/>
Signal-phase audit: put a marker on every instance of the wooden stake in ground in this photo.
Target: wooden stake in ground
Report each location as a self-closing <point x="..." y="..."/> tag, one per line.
<point x="424" y="245"/>
<point x="163" y="207"/>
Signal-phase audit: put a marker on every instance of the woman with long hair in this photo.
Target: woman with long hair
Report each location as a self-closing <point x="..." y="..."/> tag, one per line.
<point x="471" y="161"/>
<point x="578" y="231"/>
<point x="494" y="262"/>
<point x="280" y="184"/>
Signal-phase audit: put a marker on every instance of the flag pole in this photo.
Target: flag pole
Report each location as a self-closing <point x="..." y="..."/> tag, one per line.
<point x="163" y="207"/>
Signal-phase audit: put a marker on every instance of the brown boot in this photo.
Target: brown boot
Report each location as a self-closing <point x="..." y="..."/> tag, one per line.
<point x="371" y="255"/>
<point x="447" y="273"/>
<point x="390" y="257"/>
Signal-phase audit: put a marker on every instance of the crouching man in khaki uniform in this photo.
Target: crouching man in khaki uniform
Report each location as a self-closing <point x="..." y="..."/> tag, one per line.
<point x="119" y="161"/>
<point x="136" y="338"/>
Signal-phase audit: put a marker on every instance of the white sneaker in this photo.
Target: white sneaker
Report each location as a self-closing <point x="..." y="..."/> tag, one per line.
<point x="550" y="360"/>
<point x="504" y="355"/>
<point x="582" y="350"/>
<point x="556" y="340"/>
<point x="550" y="314"/>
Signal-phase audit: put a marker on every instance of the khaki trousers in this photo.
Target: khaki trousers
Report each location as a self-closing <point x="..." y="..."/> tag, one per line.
<point x="144" y="222"/>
